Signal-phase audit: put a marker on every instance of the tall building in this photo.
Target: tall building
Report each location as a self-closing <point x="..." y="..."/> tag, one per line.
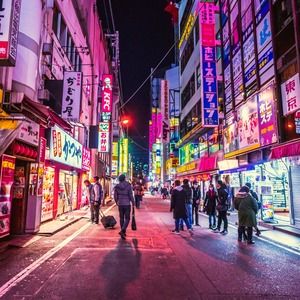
<point x="55" y="67"/>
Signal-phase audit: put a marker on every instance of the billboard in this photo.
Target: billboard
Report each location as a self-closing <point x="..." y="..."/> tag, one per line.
<point x="107" y="95"/>
<point x="123" y="156"/>
<point x="104" y="137"/>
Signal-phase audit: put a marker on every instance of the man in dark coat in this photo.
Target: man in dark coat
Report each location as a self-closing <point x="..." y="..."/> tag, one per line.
<point x="210" y="204"/>
<point x="188" y="202"/>
<point x="178" y="201"/>
<point x="196" y="202"/>
<point x="222" y="207"/>
<point x="247" y="210"/>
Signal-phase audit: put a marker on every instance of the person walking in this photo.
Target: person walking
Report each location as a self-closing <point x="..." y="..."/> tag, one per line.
<point x="196" y="203"/>
<point x="123" y="196"/>
<point x="91" y="198"/>
<point x="178" y="206"/>
<point x="247" y="210"/>
<point x="210" y="203"/>
<point x="255" y="196"/>
<point x="96" y="199"/>
<point x="188" y="201"/>
<point x="138" y="194"/>
<point x="222" y="207"/>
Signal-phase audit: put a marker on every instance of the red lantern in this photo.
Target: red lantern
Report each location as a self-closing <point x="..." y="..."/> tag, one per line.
<point x="35" y="154"/>
<point x="31" y="154"/>
<point x="27" y="151"/>
<point x="16" y="148"/>
<point x="22" y="150"/>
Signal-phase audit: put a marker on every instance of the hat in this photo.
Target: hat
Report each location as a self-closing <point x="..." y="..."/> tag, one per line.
<point x="220" y="182"/>
<point x="96" y="178"/>
<point x="244" y="189"/>
<point x="248" y="184"/>
<point x="122" y="177"/>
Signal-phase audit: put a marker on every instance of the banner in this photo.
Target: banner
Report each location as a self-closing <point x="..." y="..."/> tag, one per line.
<point x="290" y="95"/>
<point x="86" y="158"/>
<point x="71" y="101"/>
<point x="104" y="137"/>
<point x="7" y="171"/>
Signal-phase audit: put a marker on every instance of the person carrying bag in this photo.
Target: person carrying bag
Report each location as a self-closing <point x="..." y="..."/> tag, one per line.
<point x="133" y="222"/>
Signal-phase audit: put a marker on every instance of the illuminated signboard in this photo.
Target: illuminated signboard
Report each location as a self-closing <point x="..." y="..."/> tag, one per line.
<point x="290" y="91"/>
<point x="71" y="100"/>
<point x="187" y="30"/>
<point x="65" y="149"/>
<point x="114" y="162"/>
<point x="107" y="95"/>
<point x="165" y="109"/>
<point x="104" y="137"/>
<point x="210" y="116"/>
<point x="9" y="29"/>
<point x="123" y="156"/>
<point x="86" y="159"/>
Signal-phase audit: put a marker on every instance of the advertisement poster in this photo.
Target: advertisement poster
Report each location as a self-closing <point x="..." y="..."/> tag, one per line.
<point x="267" y="207"/>
<point x="237" y="64"/>
<point x="7" y="179"/>
<point x="263" y="33"/>
<point x="48" y="194"/>
<point x="290" y="95"/>
<point x="230" y="136"/>
<point x="247" y="122"/>
<point x="266" y="116"/>
<point x="104" y="137"/>
<point x="248" y="50"/>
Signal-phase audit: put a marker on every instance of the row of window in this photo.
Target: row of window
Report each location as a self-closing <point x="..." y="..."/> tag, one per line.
<point x="62" y="33"/>
<point x="191" y="120"/>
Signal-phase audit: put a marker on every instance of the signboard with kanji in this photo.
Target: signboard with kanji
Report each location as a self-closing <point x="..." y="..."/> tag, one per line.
<point x="65" y="149"/>
<point x="71" y="100"/>
<point x="104" y="137"/>
<point x="290" y="95"/>
<point x="107" y="95"/>
<point x="9" y="30"/>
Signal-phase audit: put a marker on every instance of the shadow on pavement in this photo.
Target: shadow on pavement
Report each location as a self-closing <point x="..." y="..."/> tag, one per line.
<point x="120" y="268"/>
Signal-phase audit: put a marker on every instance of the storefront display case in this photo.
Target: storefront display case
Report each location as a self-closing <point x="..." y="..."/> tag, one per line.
<point x="48" y="194"/>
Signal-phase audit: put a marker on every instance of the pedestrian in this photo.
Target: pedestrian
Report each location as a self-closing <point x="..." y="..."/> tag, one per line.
<point x="247" y="210"/>
<point x="196" y="202"/>
<point x="96" y="199"/>
<point x="138" y="194"/>
<point x="123" y="196"/>
<point x="255" y="196"/>
<point x="90" y="197"/>
<point x="164" y="192"/>
<point x="210" y="203"/>
<point x="178" y="206"/>
<point x="222" y="207"/>
<point x="188" y="202"/>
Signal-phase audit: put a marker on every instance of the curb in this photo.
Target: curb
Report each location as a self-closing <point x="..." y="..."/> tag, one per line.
<point x="264" y="238"/>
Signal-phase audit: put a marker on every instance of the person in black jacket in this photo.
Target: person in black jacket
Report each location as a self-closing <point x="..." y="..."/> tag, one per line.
<point x="196" y="202"/>
<point x="210" y="203"/>
<point x="222" y="207"/>
<point x="188" y="202"/>
<point x="178" y="207"/>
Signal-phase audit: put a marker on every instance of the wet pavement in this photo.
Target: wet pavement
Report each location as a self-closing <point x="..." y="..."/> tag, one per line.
<point x="84" y="261"/>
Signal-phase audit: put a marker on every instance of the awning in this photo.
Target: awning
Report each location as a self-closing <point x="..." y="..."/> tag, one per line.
<point x="8" y="132"/>
<point x="44" y="114"/>
<point x="285" y="150"/>
<point x="208" y="164"/>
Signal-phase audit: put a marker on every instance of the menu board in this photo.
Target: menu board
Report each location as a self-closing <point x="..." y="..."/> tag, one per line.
<point x="48" y="194"/>
<point x="7" y="169"/>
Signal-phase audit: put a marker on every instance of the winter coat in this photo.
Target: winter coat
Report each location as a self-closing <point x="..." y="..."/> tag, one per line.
<point x="247" y="209"/>
<point x="178" y="203"/>
<point x="97" y="194"/>
<point x="189" y="193"/>
<point x="123" y="194"/>
<point x="222" y="199"/>
<point x="196" y="195"/>
<point x="210" y="202"/>
<point x="138" y="190"/>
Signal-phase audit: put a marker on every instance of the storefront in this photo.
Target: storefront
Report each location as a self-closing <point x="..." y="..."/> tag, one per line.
<point x="63" y="175"/>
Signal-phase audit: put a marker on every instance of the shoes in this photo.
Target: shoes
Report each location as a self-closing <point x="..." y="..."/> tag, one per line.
<point x="224" y="232"/>
<point x="123" y="235"/>
<point x="191" y="232"/>
<point x="250" y="242"/>
<point x="198" y="225"/>
<point x="181" y="228"/>
<point x="258" y="233"/>
<point x="175" y="231"/>
<point x="216" y="230"/>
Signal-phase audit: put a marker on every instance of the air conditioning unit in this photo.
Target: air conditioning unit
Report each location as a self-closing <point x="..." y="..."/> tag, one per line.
<point x="44" y="94"/>
<point x="47" y="49"/>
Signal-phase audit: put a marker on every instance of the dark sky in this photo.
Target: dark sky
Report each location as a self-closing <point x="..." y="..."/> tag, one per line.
<point x="146" y="34"/>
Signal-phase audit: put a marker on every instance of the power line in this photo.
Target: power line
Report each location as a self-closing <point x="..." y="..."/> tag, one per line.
<point x="152" y="72"/>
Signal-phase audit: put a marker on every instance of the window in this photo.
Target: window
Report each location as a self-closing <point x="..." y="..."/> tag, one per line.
<point x="282" y="14"/>
<point x="56" y="21"/>
<point x="185" y="15"/>
<point x="187" y="52"/>
<point x="198" y="77"/>
<point x="188" y="92"/>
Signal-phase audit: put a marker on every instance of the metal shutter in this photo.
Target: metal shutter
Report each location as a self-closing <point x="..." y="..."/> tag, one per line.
<point x="295" y="176"/>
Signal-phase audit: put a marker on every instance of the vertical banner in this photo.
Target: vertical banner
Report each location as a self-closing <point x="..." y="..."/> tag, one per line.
<point x="165" y="109"/>
<point x="71" y="101"/>
<point x="7" y="171"/>
<point x="104" y="139"/>
<point x="210" y="116"/>
<point x="86" y="158"/>
<point x="107" y="95"/>
<point x="123" y="156"/>
<point x="9" y="29"/>
<point x="290" y="94"/>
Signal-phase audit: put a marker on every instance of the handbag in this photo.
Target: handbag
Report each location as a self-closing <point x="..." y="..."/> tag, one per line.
<point x="133" y="222"/>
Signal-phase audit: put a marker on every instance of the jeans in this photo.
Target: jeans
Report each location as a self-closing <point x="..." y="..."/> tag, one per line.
<point x="138" y="199"/>
<point x="241" y="233"/>
<point x="124" y="212"/>
<point x="186" y="221"/>
<point x="95" y="213"/>
<point x="222" y="217"/>
<point x="195" y="214"/>
<point x="189" y="211"/>
<point x="212" y="220"/>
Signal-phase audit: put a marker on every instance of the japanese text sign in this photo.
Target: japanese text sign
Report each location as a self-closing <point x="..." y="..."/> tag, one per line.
<point x="104" y="137"/>
<point x="9" y="29"/>
<point x="65" y="149"/>
<point x="210" y="117"/>
<point x="266" y="116"/>
<point x="29" y="132"/>
<point x="107" y="94"/>
<point x="71" y="96"/>
<point x="86" y="158"/>
<point x="290" y="95"/>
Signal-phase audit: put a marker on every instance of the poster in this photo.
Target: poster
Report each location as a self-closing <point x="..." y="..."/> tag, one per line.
<point x="237" y="64"/>
<point x="7" y="170"/>
<point x="230" y="136"/>
<point x="290" y="95"/>
<point x="248" y="50"/>
<point x="263" y="33"/>
<point x="266" y="116"/>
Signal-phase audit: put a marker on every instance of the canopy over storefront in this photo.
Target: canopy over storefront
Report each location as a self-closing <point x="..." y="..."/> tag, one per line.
<point x="285" y="150"/>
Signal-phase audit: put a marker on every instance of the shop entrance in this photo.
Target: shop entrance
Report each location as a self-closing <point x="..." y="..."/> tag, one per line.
<point x="19" y="197"/>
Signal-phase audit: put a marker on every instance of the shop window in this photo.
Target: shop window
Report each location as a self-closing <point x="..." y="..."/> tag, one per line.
<point x="285" y="40"/>
<point x="282" y="14"/>
<point x="185" y="15"/>
<point x="56" y="21"/>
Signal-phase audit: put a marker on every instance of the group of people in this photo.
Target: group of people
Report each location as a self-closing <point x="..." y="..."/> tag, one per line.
<point x="185" y="201"/>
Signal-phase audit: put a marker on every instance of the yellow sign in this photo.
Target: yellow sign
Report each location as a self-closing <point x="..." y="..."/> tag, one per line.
<point x="187" y="29"/>
<point x="123" y="156"/>
<point x="188" y="167"/>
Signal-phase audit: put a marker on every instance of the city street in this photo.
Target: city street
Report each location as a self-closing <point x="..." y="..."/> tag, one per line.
<point x="84" y="261"/>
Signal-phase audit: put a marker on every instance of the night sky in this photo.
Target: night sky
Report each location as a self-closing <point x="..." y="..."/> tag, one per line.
<point x="146" y="34"/>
